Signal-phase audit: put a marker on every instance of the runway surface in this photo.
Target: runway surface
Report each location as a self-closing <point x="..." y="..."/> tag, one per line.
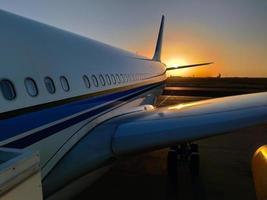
<point x="225" y="169"/>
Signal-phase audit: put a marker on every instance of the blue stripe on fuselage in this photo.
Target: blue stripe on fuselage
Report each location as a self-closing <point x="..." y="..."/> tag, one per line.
<point x="39" y="118"/>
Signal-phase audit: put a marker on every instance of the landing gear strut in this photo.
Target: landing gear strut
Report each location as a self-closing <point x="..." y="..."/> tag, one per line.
<point x="172" y="162"/>
<point x="194" y="159"/>
<point x="183" y="172"/>
<point x="185" y="153"/>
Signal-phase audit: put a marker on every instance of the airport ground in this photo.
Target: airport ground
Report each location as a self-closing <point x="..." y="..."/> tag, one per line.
<point x="225" y="161"/>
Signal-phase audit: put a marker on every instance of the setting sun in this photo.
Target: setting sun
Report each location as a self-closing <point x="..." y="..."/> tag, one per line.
<point x="174" y="62"/>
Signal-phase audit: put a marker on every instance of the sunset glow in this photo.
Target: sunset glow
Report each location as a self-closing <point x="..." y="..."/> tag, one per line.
<point x="174" y="62"/>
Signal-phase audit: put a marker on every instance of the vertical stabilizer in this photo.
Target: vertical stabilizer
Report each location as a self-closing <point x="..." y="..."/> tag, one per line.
<point x="157" y="54"/>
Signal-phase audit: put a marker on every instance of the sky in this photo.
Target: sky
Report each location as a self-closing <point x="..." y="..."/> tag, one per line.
<point x="230" y="33"/>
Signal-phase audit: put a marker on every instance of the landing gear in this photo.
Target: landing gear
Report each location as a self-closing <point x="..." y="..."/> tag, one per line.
<point x="172" y="178"/>
<point x="194" y="160"/>
<point x="183" y="172"/>
<point x="172" y="163"/>
<point x="186" y="153"/>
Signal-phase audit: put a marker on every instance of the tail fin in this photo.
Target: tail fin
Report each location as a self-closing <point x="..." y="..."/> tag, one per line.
<point x="157" y="54"/>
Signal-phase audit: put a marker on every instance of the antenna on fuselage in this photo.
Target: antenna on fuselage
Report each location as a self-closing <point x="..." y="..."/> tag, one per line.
<point x="157" y="54"/>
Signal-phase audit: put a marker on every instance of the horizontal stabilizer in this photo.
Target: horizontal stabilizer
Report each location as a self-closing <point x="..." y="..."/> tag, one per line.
<point x="187" y="66"/>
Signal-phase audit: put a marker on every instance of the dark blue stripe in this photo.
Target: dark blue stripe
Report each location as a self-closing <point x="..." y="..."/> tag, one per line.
<point x="35" y="137"/>
<point x="16" y="125"/>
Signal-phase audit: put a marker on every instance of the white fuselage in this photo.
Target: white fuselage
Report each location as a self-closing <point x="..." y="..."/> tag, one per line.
<point x="55" y="123"/>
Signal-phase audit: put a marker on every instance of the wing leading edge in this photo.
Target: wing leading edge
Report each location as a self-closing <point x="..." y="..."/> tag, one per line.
<point x="171" y="125"/>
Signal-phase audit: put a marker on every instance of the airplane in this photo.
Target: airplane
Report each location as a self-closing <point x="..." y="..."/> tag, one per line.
<point x="83" y="104"/>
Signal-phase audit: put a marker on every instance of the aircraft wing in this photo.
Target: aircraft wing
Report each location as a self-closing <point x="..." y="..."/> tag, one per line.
<point x="167" y="126"/>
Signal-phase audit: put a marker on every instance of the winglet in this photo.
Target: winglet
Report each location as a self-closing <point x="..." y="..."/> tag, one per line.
<point x="157" y="54"/>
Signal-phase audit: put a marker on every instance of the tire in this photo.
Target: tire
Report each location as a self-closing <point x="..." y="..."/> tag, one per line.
<point x="172" y="163"/>
<point x="194" y="164"/>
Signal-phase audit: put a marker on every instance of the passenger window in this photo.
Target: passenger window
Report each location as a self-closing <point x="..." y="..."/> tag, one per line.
<point x="95" y="81"/>
<point x="108" y="79"/>
<point x="113" y="79"/>
<point x="125" y="78"/>
<point x="122" y="78"/>
<point x="86" y="81"/>
<point x="64" y="83"/>
<point x="128" y="77"/>
<point x="7" y="89"/>
<point x="49" y="84"/>
<point x="102" y="80"/>
<point x="118" y="78"/>
<point x="31" y="87"/>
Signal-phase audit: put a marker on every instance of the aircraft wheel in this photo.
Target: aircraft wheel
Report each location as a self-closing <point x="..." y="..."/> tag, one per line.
<point x="172" y="163"/>
<point x="194" y="148"/>
<point x="194" y="160"/>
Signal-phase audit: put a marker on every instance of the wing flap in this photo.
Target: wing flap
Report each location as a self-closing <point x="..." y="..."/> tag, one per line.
<point x="171" y="125"/>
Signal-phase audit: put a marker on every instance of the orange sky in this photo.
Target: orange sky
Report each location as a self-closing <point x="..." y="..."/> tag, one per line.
<point x="179" y="53"/>
<point x="189" y="47"/>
